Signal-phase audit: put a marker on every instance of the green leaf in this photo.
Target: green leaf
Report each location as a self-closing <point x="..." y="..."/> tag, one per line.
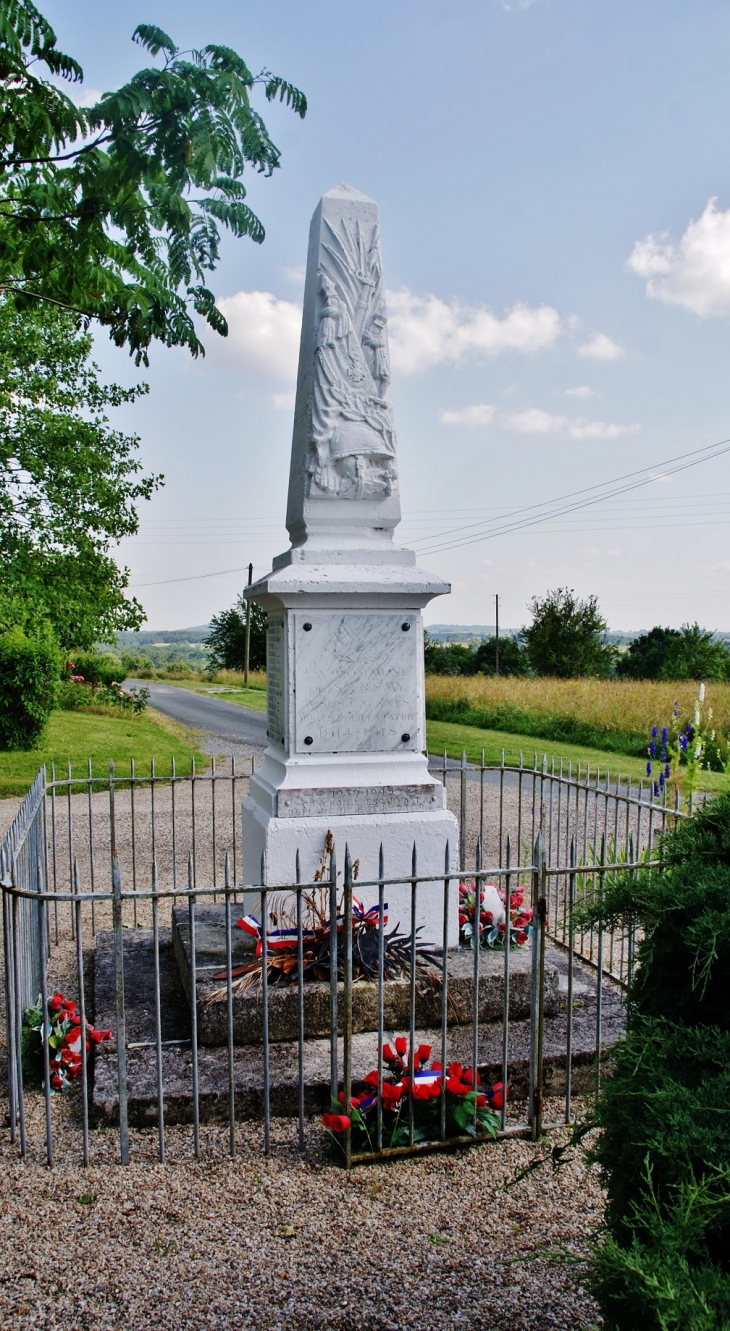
<point x="154" y="39"/>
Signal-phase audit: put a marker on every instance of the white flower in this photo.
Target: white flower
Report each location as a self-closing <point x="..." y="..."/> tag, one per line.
<point x="702" y="693"/>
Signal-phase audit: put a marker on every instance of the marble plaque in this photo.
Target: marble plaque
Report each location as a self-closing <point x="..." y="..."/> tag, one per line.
<point x="276" y="680"/>
<point x="326" y="803"/>
<point x="356" y="682"/>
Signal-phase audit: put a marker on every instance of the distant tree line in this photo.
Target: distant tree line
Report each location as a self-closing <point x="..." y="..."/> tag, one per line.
<point x="567" y="640"/>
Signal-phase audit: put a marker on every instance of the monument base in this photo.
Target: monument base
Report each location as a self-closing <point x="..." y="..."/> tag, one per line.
<point x="279" y="839"/>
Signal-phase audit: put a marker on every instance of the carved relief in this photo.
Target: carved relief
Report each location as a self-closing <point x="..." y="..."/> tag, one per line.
<point x="352" y="440"/>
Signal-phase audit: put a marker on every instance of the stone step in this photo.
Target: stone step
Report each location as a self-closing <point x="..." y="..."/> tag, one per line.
<point x="210" y="952"/>
<point x="284" y="1065"/>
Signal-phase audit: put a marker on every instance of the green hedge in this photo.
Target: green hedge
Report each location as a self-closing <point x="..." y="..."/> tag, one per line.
<point x="521" y="721"/>
<point x="664" y="1113"/>
<point x="30" y="670"/>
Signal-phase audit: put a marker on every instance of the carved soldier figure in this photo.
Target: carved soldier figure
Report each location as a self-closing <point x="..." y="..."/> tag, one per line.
<point x="374" y="337"/>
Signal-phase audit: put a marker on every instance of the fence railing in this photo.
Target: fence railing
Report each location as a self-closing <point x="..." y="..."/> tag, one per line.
<point x="99" y="862"/>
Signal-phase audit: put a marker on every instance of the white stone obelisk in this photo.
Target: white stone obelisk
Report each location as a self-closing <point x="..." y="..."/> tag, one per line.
<point x="345" y="677"/>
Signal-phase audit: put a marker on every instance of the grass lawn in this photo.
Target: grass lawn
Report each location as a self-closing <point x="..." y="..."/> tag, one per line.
<point x="77" y="736"/>
<point x="254" y="697"/>
<point x="453" y="738"/>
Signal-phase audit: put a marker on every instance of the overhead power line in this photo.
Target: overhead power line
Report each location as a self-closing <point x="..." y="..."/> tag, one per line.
<point x="552" y="508"/>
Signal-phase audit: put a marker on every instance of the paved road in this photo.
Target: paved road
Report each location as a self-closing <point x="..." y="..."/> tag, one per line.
<point x="227" y="719"/>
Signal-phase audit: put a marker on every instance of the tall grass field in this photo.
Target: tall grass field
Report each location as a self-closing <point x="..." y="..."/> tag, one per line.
<point x="609" y="714"/>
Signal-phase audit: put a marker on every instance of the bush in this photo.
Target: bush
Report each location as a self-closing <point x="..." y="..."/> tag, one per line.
<point x="96" y="668"/>
<point x="30" y="670"/>
<point x="565" y="638"/>
<point x="664" y="1148"/>
<point x="662" y="653"/>
<point x="136" y="665"/>
<point x="227" y="638"/>
<point x="74" y="696"/>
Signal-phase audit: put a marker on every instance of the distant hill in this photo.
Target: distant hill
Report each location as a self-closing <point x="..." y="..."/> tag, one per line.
<point x="129" y="641"/>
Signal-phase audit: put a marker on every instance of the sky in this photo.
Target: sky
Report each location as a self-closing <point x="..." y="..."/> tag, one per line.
<point x="554" y="188"/>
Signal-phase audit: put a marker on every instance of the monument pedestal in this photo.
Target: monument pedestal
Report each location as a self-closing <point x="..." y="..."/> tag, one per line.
<point x="345" y="675"/>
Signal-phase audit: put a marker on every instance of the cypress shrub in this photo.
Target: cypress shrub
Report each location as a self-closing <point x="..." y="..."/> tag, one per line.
<point x="30" y="670"/>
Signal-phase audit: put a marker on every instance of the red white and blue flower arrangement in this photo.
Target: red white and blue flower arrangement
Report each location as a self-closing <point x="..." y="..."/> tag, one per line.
<point x="470" y="1111"/>
<point x="62" y="1030"/>
<point x="492" y="916"/>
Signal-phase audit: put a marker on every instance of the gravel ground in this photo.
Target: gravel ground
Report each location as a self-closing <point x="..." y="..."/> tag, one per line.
<point x="293" y="1241"/>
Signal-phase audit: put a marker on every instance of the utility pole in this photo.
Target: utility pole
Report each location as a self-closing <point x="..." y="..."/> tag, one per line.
<point x="248" y="628"/>
<point x="496" y="634"/>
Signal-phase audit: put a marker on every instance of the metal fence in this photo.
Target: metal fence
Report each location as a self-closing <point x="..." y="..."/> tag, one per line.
<point x="95" y="863"/>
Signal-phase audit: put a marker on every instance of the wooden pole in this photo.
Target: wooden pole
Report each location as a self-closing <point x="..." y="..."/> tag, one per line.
<point x="496" y="635"/>
<point x="248" y="628"/>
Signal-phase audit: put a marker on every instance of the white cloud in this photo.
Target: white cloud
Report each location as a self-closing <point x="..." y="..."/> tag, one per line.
<point x="601" y="347"/>
<point x="296" y="275"/>
<point x="479" y="415"/>
<point x="582" y="391"/>
<point x="89" y="97"/>
<point x="425" y="330"/>
<point x="263" y="333"/>
<point x="512" y="5"/>
<point x="284" y="401"/>
<point x="695" y="272"/>
<point x="537" y="421"/>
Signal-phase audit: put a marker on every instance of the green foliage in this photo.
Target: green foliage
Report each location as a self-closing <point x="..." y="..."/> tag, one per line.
<point x="74" y="697"/>
<point x="646" y="655"/>
<point x="113" y="211"/>
<point x="135" y="664"/>
<point x="664" y="1148"/>
<point x="96" y="668"/>
<point x="673" y="654"/>
<point x="68" y="482"/>
<point x="565" y="639"/>
<point x="513" y="658"/>
<point x="457" y="659"/>
<point x="29" y="675"/>
<point x="227" y="638"/>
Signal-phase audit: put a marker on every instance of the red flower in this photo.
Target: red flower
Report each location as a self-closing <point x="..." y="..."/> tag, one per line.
<point x="372" y="1078"/>
<point x="401" y="1045"/>
<point x="436" y="1067"/>
<point x="481" y="1101"/>
<point x="521" y="937"/>
<point x="467" y="1077"/>
<point x="389" y="1054"/>
<point x="56" y="1082"/>
<point x="455" y="1087"/>
<point x="462" y="917"/>
<point x="423" y="1053"/>
<point x="56" y="1002"/>
<point x="392" y="1092"/>
<point x="495" y="1095"/>
<point x="336" y="1122"/>
<point x="454" y="1070"/>
<point x="96" y="1035"/>
<point x="487" y="916"/>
